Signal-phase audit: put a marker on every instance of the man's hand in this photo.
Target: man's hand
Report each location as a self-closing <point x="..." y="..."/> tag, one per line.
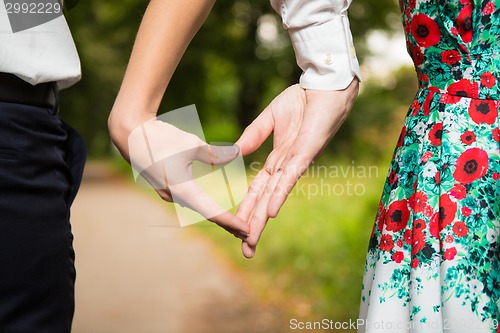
<point x="303" y="122"/>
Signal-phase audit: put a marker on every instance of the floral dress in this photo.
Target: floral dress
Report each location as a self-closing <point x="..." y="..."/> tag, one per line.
<point x="433" y="262"/>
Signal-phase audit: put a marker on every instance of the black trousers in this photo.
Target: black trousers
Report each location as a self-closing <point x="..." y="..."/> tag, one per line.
<point x="41" y="164"/>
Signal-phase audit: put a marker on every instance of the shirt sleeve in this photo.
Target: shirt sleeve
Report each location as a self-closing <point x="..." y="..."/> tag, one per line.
<point x="322" y="40"/>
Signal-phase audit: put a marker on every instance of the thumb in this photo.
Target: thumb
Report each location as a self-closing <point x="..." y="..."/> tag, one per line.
<point x="217" y="155"/>
<point x="256" y="133"/>
<point x="247" y="250"/>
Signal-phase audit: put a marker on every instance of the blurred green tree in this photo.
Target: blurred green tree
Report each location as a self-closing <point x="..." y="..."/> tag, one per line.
<point x="238" y="62"/>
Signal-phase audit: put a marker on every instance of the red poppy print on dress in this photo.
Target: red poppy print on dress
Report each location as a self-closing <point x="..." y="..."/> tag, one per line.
<point x="488" y="10"/>
<point x="426" y="156"/>
<point x="466" y="211"/>
<point x="460" y="229"/>
<point x="451" y="57"/>
<point x="420" y="201"/>
<point x="416" y="55"/>
<point x="397" y="216"/>
<point x="425" y="30"/>
<point x="483" y="111"/>
<point x="435" y="134"/>
<point x="447" y="211"/>
<point x="468" y="137"/>
<point x="458" y="191"/>
<point x="449" y="254"/>
<point x="386" y="243"/>
<point x="488" y="80"/>
<point x="464" y="23"/>
<point x="495" y="133"/>
<point x="407" y="236"/>
<point x="417" y="242"/>
<point x="419" y="225"/>
<point x="398" y="256"/>
<point x="427" y="102"/>
<point x="434" y="226"/>
<point x="414" y="263"/>
<point x="464" y="88"/>
<point x="471" y="165"/>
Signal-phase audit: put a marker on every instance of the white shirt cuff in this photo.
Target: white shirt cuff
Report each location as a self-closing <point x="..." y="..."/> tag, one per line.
<point x="326" y="55"/>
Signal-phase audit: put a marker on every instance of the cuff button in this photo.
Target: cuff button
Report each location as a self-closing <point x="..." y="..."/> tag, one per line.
<point x="328" y="58"/>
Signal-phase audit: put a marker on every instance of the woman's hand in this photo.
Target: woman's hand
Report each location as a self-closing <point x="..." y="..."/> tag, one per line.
<point x="303" y="122"/>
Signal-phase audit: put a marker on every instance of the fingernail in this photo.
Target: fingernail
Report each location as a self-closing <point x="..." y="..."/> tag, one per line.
<point x="230" y="150"/>
<point x="235" y="149"/>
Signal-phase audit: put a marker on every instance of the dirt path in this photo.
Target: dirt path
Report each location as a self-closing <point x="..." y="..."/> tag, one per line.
<point x="136" y="278"/>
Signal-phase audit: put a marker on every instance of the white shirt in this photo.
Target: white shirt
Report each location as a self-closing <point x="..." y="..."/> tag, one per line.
<point x="322" y="40"/>
<point x="41" y="54"/>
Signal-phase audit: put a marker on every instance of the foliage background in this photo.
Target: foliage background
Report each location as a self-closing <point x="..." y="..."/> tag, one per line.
<point x="228" y="71"/>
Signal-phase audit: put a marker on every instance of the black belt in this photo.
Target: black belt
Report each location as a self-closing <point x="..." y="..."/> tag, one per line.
<point x="15" y="90"/>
